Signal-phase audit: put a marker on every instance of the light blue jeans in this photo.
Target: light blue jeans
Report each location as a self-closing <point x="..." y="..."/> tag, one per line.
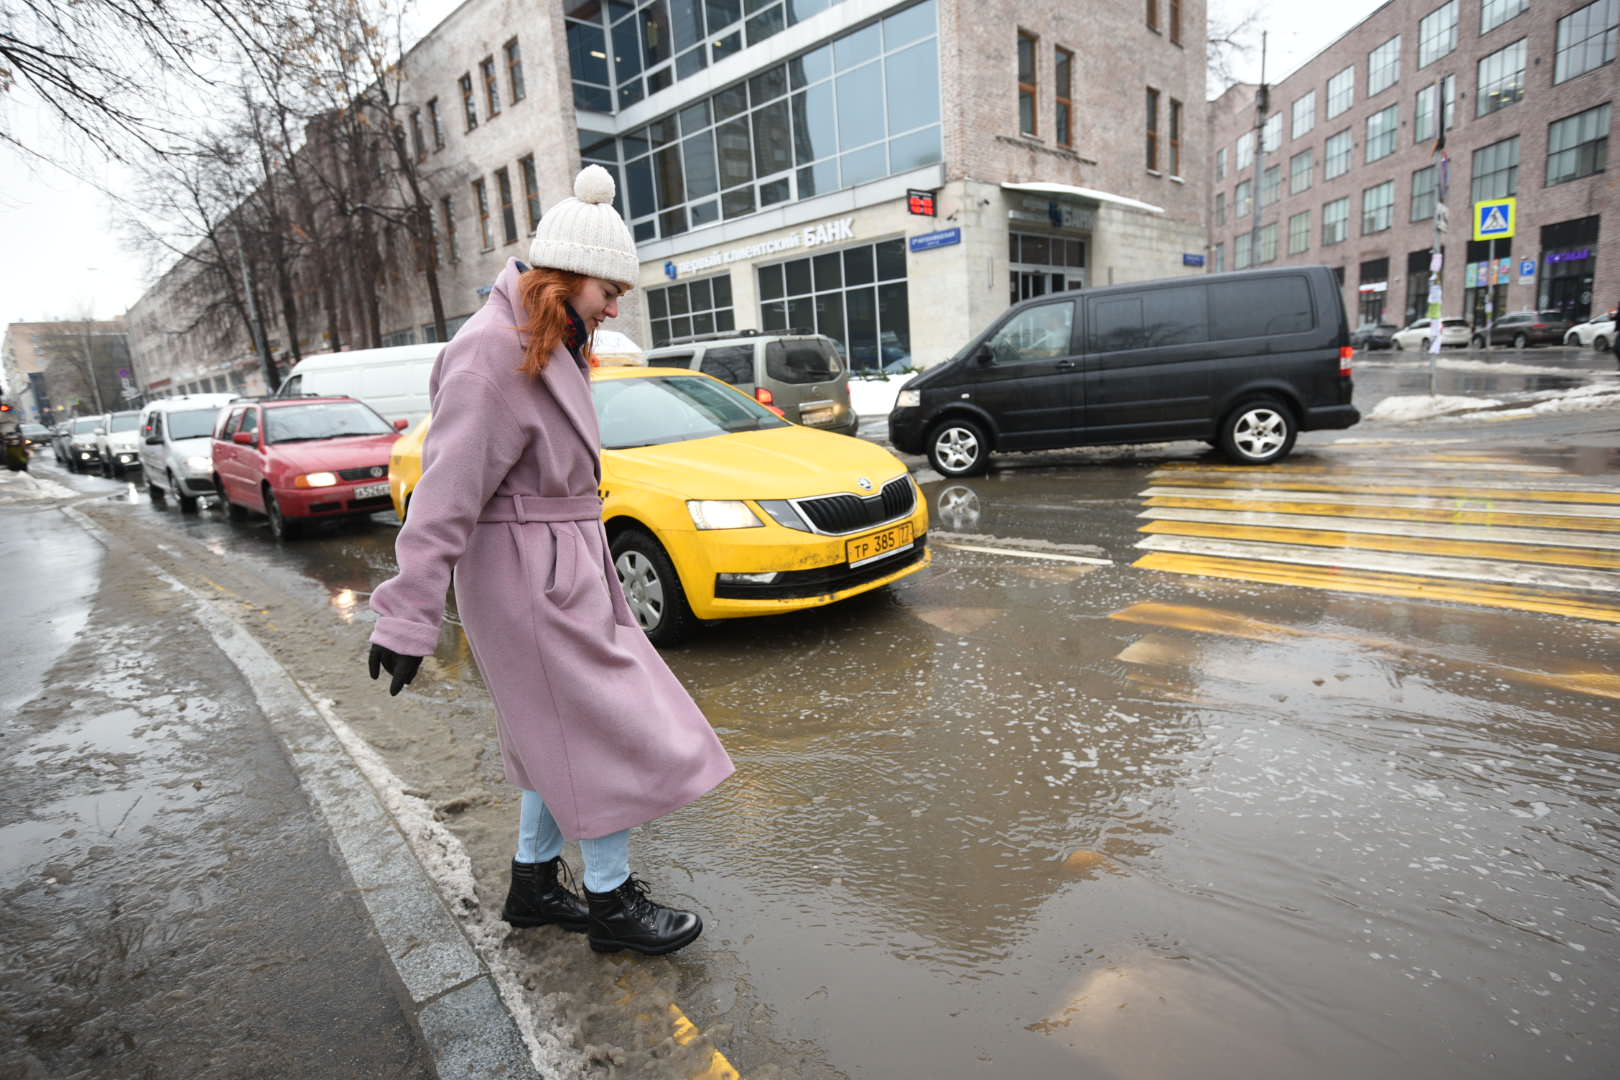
<point x="607" y="858"/>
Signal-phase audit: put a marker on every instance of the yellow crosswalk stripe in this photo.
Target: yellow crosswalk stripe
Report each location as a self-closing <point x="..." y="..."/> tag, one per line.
<point x="1526" y="553"/>
<point x="1491" y="494"/>
<point x="1377" y="583"/>
<point x="1459" y="516"/>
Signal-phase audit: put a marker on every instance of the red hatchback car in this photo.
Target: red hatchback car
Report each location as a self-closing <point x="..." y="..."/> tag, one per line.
<point x="293" y="459"/>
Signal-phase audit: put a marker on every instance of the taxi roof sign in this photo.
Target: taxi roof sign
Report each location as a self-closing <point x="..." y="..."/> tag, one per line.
<point x="1494" y="219"/>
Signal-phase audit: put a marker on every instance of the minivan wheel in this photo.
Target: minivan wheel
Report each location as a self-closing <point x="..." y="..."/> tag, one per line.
<point x="232" y="511"/>
<point x="153" y="492"/>
<point x="1520" y="341"/>
<point x="281" y="526"/>
<point x="1258" y="432"/>
<point x="958" y="447"/>
<point x="188" y="503"/>
<point x="652" y="588"/>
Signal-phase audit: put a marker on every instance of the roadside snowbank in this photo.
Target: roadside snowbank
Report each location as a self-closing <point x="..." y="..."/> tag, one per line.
<point x="1404" y="410"/>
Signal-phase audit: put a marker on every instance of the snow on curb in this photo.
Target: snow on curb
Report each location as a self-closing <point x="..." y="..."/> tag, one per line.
<point x="1398" y="410"/>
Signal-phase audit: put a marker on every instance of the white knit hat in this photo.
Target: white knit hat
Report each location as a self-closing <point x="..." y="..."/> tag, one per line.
<point x="585" y="234"/>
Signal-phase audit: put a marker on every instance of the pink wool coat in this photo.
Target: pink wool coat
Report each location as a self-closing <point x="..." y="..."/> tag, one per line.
<point x="588" y="714"/>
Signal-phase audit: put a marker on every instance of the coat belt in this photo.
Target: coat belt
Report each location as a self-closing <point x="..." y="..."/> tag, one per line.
<point x="526" y="508"/>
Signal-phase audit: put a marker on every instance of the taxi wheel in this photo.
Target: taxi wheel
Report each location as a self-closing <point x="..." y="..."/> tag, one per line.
<point x="281" y="526"/>
<point x="652" y="588"/>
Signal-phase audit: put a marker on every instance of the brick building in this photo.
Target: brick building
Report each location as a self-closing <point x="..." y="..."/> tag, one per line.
<point x="1347" y="171"/>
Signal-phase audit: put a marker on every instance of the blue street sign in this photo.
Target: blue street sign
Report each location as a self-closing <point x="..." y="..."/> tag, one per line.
<point x="1190" y="259"/>
<point x="942" y="238"/>
<point x="1527" y="268"/>
<point x="670" y="271"/>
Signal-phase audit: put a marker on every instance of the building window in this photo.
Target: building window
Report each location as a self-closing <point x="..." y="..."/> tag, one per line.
<point x="418" y="145"/>
<point x="1270" y="185"/>
<point x="1152" y="129"/>
<point x="1220" y="164"/>
<point x="492" y="88"/>
<point x="1299" y="233"/>
<point x="1305" y="114"/>
<point x="486" y="228"/>
<point x="1336" y="221"/>
<point x="531" y="190"/>
<point x="1268" y="243"/>
<point x="1496" y="170"/>
<point x="1026" y="83"/>
<point x="514" y="70"/>
<point x="1301" y="168"/>
<point x="1243" y="199"/>
<point x="469" y="107"/>
<point x="686" y="310"/>
<point x="1220" y="257"/>
<point x="1175" y="22"/>
<point x="1062" y="74"/>
<point x="436" y="122"/>
<point x="1493" y="13"/>
<point x="1425" y="192"/>
<point x="1381" y="130"/>
<point x="1377" y="207"/>
<point x="1501" y="79"/>
<point x="1243" y="251"/>
<point x="1220" y="208"/>
<point x="1426" y="116"/>
<point x="588" y="53"/>
<point x="503" y="187"/>
<point x="1175" y="137"/>
<point x="1245" y="151"/>
<point x="1271" y="134"/>
<point x="1384" y="66"/>
<point x="1039" y="263"/>
<point x="1153" y="15"/>
<point x="1336" y="159"/>
<point x="1578" y="145"/>
<point x="1437" y="33"/>
<point x="1341" y="92"/>
<point x="1586" y="39"/>
<point x="819" y="123"/>
<point x="447" y="214"/>
<point x="857" y="296"/>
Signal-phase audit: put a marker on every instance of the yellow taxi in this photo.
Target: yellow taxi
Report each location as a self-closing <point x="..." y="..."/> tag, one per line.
<point x="717" y="508"/>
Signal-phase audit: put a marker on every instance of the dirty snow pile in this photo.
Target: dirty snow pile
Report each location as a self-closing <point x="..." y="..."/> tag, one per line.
<point x="24" y="485"/>
<point x="1398" y="410"/>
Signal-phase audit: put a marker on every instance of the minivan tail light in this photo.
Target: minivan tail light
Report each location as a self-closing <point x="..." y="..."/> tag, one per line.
<point x="763" y="395"/>
<point x="1347" y="353"/>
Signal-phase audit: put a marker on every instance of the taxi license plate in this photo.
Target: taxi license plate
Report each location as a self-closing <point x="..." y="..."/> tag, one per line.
<point x="816" y="416"/>
<point x="370" y="491"/>
<point x="865" y="549"/>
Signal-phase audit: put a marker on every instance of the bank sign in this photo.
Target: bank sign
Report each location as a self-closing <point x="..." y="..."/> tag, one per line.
<point x="831" y="231"/>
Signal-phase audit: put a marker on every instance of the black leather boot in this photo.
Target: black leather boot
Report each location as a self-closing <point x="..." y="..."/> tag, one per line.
<point x="536" y="898"/>
<point x="626" y="919"/>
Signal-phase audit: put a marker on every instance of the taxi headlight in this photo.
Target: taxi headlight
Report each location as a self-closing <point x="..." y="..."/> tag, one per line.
<point x="722" y="514"/>
<point x="908" y="399"/>
<point x="316" y="480"/>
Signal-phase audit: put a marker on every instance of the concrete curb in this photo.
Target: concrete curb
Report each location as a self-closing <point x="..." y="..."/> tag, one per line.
<point x="454" y="998"/>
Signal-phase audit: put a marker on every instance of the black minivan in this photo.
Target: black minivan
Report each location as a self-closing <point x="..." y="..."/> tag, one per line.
<point x="1244" y="361"/>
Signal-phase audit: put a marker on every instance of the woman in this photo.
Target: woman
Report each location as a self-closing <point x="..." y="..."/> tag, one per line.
<point x="593" y="726"/>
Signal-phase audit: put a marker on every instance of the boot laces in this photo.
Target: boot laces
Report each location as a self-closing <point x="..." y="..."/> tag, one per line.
<point x="634" y="891"/>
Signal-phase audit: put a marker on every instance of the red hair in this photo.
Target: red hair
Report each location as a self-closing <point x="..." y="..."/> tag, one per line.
<point x="545" y="293"/>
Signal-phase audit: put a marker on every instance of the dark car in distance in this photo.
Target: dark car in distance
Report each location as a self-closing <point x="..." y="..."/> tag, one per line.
<point x="1244" y="361"/>
<point x="1521" y="329"/>
<point x="1374" y="336"/>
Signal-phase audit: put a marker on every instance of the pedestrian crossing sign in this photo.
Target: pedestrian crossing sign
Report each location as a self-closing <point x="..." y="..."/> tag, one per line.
<point x="1494" y="219"/>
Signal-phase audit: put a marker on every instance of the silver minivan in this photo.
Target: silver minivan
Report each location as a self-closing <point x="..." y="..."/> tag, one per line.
<point x="801" y="375"/>
<point x="176" y="448"/>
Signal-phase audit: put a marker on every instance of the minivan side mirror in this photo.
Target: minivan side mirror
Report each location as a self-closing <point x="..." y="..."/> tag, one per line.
<point x="983" y="356"/>
<point x="401" y="424"/>
<point x="243" y="438"/>
<point x="101" y="431"/>
<point x="154" y="440"/>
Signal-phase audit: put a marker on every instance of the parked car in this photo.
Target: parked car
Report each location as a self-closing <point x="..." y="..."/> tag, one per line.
<point x="1595" y="333"/>
<point x="1373" y="336"/>
<point x="1524" y="328"/>
<point x="299" y="459"/>
<point x="83" y="452"/>
<point x="393" y="381"/>
<point x="716" y="508"/>
<point x="35" y="436"/>
<point x="802" y="377"/>
<point x="1454" y="333"/>
<point x="61" y="443"/>
<point x="176" y="450"/>
<point x="118" y="441"/>
<point x="1243" y="360"/>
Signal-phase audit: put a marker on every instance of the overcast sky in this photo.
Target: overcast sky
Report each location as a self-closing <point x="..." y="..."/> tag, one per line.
<point x="62" y="245"/>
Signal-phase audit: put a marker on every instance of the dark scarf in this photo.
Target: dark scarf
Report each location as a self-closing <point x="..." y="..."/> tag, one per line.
<point x="577" y="335"/>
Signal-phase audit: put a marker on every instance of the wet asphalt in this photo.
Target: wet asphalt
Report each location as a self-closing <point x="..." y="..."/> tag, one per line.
<point x="1043" y="811"/>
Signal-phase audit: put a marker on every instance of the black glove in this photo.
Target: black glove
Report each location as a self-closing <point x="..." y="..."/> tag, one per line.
<point x="402" y="668"/>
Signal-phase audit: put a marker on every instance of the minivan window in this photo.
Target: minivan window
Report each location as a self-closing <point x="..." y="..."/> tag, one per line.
<point x="1274" y="304"/>
<point x="1038" y="333"/>
<point x="127" y="421"/>
<point x="191" y="424"/>
<point x="293" y="387"/>
<point x="681" y="359"/>
<point x="1156" y="318"/>
<point x="806" y="360"/>
<point x="85" y="425"/>
<point x="729" y="363"/>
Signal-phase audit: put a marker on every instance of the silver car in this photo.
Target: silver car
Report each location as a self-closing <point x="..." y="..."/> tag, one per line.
<point x="801" y="376"/>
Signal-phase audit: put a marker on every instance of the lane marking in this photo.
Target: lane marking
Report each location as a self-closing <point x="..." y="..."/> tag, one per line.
<point x="1405" y="586"/>
<point x="1503" y="490"/>
<point x="1505" y="534"/>
<point x="1592" y="518"/>
<point x="1054" y="556"/>
<point x="1483" y="570"/>
<point x="1598" y="682"/>
<point x="1432" y="464"/>
<point x="1344" y="540"/>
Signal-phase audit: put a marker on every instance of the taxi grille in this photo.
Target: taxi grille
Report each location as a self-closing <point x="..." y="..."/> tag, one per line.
<point x="850" y="513"/>
<point x="364" y="472"/>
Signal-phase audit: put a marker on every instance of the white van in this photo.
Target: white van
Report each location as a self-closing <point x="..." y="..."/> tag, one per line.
<point x="176" y="451"/>
<point x="394" y="381"/>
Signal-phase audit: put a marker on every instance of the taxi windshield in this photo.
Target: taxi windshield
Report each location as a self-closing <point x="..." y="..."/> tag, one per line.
<point x="674" y="408"/>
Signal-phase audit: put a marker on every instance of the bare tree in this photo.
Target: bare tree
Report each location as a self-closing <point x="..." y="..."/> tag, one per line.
<point x="1234" y="36"/>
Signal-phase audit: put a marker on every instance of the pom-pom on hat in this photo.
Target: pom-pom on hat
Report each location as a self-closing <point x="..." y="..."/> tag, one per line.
<point x="585" y="234"/>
